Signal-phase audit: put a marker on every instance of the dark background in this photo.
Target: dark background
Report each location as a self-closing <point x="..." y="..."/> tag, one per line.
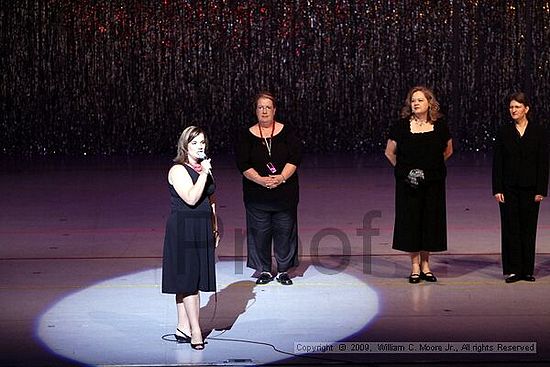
<point x="125" y="77"/>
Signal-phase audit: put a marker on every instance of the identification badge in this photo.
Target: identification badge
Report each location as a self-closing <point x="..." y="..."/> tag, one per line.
<point x="271" y="167"/>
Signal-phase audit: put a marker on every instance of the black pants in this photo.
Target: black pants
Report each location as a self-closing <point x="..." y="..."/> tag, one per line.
<point x="518" y="216"/>
<point x="266" y="226"/>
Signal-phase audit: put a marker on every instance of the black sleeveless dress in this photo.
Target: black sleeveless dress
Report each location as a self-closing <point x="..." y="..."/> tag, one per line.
<point x="189" y="249"/>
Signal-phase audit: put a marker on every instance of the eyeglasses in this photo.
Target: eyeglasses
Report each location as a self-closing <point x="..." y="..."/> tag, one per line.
<point x="264" y="108"/>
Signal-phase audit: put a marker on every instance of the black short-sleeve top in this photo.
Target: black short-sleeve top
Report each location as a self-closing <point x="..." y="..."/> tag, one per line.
<point x="252" y="152"/>
<point x="420" y="150"/>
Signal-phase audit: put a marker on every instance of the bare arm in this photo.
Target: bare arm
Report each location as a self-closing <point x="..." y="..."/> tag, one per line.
<point x="252" y="175"/>
<point x="391" y="152"/>
<point x="271" y="181"/>
<point x="448" y="149"/>
<point x="182" y="182"/>
<point x="212" y="200"/>
<point x="215" y="230"/>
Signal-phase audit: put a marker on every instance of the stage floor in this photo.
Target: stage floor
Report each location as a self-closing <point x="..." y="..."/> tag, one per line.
<point x="80" y="254"/>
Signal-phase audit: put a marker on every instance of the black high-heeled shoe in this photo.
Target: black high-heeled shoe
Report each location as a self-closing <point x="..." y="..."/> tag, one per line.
<point x="198" y="346"/>
<point x="183" y="338"/>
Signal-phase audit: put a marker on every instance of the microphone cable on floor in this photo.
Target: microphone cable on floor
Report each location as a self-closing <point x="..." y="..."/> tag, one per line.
<point x="168" y="337"/>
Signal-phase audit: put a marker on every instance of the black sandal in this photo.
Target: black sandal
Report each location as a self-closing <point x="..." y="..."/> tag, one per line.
<point x="198" y="346"/>
<point x="429" y="276"/>
<point x="183" y="338"/>
<point x="414" y="278"/>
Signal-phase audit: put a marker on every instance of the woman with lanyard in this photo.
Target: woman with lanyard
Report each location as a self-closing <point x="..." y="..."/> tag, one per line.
<point x="268" y="155"/>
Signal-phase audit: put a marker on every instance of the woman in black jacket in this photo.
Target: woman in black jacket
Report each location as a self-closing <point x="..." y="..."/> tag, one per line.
<point x="520" y="183"/>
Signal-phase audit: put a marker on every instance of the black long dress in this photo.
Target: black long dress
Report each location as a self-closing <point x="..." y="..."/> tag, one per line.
<point x="189" y="260"/>
<point x="420" y="213"/>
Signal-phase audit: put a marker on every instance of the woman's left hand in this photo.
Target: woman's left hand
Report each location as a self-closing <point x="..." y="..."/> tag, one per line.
<point x="216" y="237"/>
<point x="538" y="198"/>
<point x="276" y="180"/>
<point x="206" y="165"/>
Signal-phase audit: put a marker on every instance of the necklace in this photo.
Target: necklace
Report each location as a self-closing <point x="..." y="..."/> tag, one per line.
<point x="267" y="144"/>
<point x="196" y="167"/>
<point x="520" y="128"/>
<point x="418" y="122"/>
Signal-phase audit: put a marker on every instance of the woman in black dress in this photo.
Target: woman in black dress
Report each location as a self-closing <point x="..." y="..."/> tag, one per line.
<point x="191" y="234"/>
<point x="418" y="146"/>
<point x="268" y="155"/>
<point x="520" y="183"/>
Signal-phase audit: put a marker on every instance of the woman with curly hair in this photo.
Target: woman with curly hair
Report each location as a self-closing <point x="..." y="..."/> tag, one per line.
<point x="418" y="146"/>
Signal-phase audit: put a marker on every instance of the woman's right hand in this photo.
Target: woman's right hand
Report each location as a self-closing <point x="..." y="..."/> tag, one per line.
<point x="499" y="197"/>
<point x="268" y="182"/>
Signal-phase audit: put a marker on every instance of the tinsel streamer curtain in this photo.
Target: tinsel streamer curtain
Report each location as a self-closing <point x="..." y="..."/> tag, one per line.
<point x="125" y="77"/>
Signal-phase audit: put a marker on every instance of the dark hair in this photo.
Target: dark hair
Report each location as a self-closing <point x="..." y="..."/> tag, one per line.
<point x="520" y="97"/>
<point x="264" y="94"/>
<point x="433" y="109"/>
<point x="190" y="133"/>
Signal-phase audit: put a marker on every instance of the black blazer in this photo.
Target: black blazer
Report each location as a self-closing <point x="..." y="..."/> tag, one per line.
<point x="521" y="161"/>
